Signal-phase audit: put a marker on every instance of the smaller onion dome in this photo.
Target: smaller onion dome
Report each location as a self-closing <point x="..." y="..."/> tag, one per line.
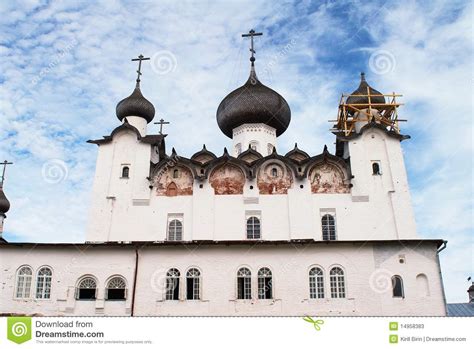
<point x="135" y="105"/>
<point x="359" y="96"/>
<point x="4" y="203"/>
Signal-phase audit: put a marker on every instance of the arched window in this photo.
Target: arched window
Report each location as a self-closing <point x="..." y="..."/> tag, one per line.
<point x="175" y="230"/>
<point x="274" y="172"/>
<point x="376" y="168"/>
<point x="86" y="289"/>
<point x="116" y="289"/>
<point x="43" y="283"/>
<point x="175" y="173"/>
<point x="125" y="172"/>
<point x="253" y="228"/>
<point x="172" y="284"/>
<point x="316" y="283"/>
<point x="269" y="148"/>
<point x="397" y="287"/>
<point x="244" y="284"/>
<point x="172" y="189"/>
<point x="193" y="278"/>
<point x="254" y="145"/>
<point x="238" y="148"/>
<point x="265" y="287"/>
<point x="23" y="282"/>
<point x="338" y="287"/>
<point x="328" y="225"/>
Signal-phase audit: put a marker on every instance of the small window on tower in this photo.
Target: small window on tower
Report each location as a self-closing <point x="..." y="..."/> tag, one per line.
<point x="274" y="172"/>
<point x="125" y="172"/>
<point x="270" y="148"/>
<point x="176" y="173"/>
<point x="376" y="168"/>
<point x="397" y="287"/>
<point x="254" y="145"/>
<point x="238" y="148"/>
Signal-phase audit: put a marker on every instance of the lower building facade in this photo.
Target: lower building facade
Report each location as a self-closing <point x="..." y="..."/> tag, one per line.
<point x="225" y="278"/>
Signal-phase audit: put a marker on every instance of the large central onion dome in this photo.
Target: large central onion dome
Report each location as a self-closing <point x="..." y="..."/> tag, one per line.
<point x="253" y="103"/>
<point x="135" y="105"/>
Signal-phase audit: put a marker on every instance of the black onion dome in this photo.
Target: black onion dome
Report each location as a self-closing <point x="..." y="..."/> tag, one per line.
<point x="375" y="96"/>
<point x="253" y="103"/>
<point x="135" y="105"/>
<point x="4" y="203"/>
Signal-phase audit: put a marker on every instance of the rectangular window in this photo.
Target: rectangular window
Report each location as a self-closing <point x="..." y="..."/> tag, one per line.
<point x="244" y="289"/>
<point x="192" y="288"/>
<point x="172" y="289"/>
<point x="265" y="288"/>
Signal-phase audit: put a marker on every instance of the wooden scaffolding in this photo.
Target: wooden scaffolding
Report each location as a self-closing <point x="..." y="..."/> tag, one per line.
<point x="386" y="113"/>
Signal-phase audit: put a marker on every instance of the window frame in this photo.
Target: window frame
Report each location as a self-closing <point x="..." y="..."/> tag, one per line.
<point x="172" y="275"/>
<point x="245" y="274"/>
<point x="253" y="226"/>
<point x="337" y="283"/>
<point x="326" y="228"/>
<point x="262" y="283"/>
<point x="238" y="149"/>
<point x="316" y="283"/>
<point x="270" y="148"/>
<point x="25" y="285"/>
<point x="107" y="288"/>
<point x="78" y="288"/>
<point x="254" y="145"/>
<point x="394" y="284"/>
<point x="169" y="234"/>
<point x="197" y="280"/>
<point x="379" y="167"/>
<point x="47" y="283"/>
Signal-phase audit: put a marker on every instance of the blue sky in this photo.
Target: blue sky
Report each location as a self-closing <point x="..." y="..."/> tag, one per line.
<point x="66" y="64"/>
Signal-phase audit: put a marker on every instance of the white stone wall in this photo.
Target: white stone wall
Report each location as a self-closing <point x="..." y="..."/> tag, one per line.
<point x="114" y="197"/>
<point x="391" y="208"/>
<point x="260" y="135"/>
<point x="368" y="268"/>
<point x="378" y="206"/>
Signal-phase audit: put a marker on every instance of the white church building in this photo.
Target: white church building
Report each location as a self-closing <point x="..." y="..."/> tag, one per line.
<point x="251" y="230"/>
